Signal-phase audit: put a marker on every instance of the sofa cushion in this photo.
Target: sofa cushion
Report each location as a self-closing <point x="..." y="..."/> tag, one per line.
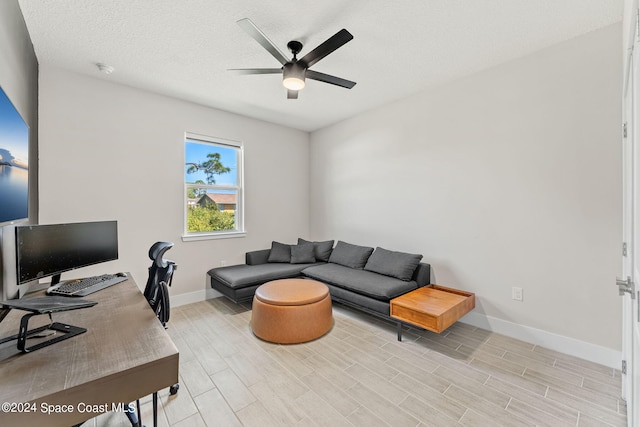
<point x="363" y="282"/>
<point x="280" y="252"/>
<point x="302" y="253"/>
<point x="400" y="265"/>
<point x="350" y="255"/>
<point x="357" y="300"/>
<point x="321" y="250"/>
<point x="240" y="276"/>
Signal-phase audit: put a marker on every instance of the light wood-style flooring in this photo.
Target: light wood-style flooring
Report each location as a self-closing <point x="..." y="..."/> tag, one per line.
<point x="360" y="375"/>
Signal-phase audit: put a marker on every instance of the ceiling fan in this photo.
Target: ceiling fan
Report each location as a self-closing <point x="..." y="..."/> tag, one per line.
<point x="294" y="71"/>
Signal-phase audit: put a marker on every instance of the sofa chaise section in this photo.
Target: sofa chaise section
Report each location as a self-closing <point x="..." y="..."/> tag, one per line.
<point x="239" y="282"/>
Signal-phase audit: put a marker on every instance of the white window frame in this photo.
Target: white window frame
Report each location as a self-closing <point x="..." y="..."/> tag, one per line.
<point x="239" y="214"/>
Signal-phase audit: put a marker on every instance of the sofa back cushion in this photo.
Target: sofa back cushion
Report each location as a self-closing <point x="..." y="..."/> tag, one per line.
<point x="349" y="255"/>
<point x="280" y="252"/>
<point x="400" y="265"/>
<point x="302" y="253"/>
<point x="321" y="250"/>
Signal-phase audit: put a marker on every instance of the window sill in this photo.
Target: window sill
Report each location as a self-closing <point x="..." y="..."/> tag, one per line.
<point x="213" y="236"/>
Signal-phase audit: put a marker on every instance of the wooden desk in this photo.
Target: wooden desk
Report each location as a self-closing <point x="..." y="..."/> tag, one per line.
<point x="125" y="354"/>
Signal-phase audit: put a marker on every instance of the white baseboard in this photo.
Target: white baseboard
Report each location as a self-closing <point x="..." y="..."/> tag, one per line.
<point x="571" y="346"/>
<point x="191" y="297"/>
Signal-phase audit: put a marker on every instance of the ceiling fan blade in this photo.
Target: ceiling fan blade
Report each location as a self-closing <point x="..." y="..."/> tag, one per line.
<point x="292" y="94"/>
<point x="332" y="43"/>
<point x="326" y="78"/>
<point x="250" y="28"/>
<point x="256" y="70"/>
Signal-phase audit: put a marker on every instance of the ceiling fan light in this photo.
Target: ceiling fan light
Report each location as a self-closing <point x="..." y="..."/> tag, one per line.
<point x="293" y="76"/>
<point x="293" y="83"/>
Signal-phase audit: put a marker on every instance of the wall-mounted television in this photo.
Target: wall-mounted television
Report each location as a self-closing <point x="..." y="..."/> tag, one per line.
<point x="14" y="163"/>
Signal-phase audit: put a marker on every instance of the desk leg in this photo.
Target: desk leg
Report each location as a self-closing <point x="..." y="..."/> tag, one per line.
<point x="139" y="412"/>
<point x="399" y="331"/>
<point x="155" y="409"/>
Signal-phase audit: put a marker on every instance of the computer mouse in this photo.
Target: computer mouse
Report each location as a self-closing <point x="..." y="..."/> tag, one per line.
<point x="121" y="274"/>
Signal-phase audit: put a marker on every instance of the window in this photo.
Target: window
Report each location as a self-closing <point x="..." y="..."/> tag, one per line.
<point x="213" y="188"/>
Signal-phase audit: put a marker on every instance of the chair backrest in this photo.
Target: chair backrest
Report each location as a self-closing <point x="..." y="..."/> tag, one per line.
<point x="160" y="276"/>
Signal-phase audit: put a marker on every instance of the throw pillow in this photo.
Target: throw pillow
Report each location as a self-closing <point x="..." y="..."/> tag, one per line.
<point x="302" y="253"/>
<point x="349" y="255"/>
<point x="279" y="252"/>
<point x="395" y="264"/>
<point x="321" y="250"/>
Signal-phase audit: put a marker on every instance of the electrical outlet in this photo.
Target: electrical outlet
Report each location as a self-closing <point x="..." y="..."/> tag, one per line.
<point x="516" y="293"/>
<point x="223" y="263"/>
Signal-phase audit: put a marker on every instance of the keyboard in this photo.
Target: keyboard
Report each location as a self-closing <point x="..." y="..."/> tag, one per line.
<point x="86" y="286"/>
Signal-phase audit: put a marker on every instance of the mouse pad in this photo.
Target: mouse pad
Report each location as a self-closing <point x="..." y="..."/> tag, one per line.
<point x="48" y="304"/>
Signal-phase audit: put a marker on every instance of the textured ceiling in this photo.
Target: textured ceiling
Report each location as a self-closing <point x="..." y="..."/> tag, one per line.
<point x="184" y="48"/>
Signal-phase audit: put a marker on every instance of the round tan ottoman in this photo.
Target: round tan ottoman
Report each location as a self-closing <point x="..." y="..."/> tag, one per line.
<point x="291" y="311"/>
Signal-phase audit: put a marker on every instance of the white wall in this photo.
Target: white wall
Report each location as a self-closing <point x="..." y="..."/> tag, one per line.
<point x="510" y="177"/>
<point x="109" y="151"/>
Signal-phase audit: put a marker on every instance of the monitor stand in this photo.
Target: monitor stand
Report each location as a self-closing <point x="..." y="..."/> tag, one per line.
<point x="40" y="306"/>
<point x="55" y="279"/>
<point x="21" y="336"/>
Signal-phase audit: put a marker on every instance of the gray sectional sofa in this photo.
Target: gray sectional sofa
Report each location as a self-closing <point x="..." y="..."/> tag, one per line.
<point x="357" y="276"/>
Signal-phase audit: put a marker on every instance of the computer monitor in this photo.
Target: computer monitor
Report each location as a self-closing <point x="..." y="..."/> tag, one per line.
<point x="50" y="250"/>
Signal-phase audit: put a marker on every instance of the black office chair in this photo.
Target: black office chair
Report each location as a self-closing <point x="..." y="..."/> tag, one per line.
<point x="160" y="276"/>
<point x="157" y="294"/>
